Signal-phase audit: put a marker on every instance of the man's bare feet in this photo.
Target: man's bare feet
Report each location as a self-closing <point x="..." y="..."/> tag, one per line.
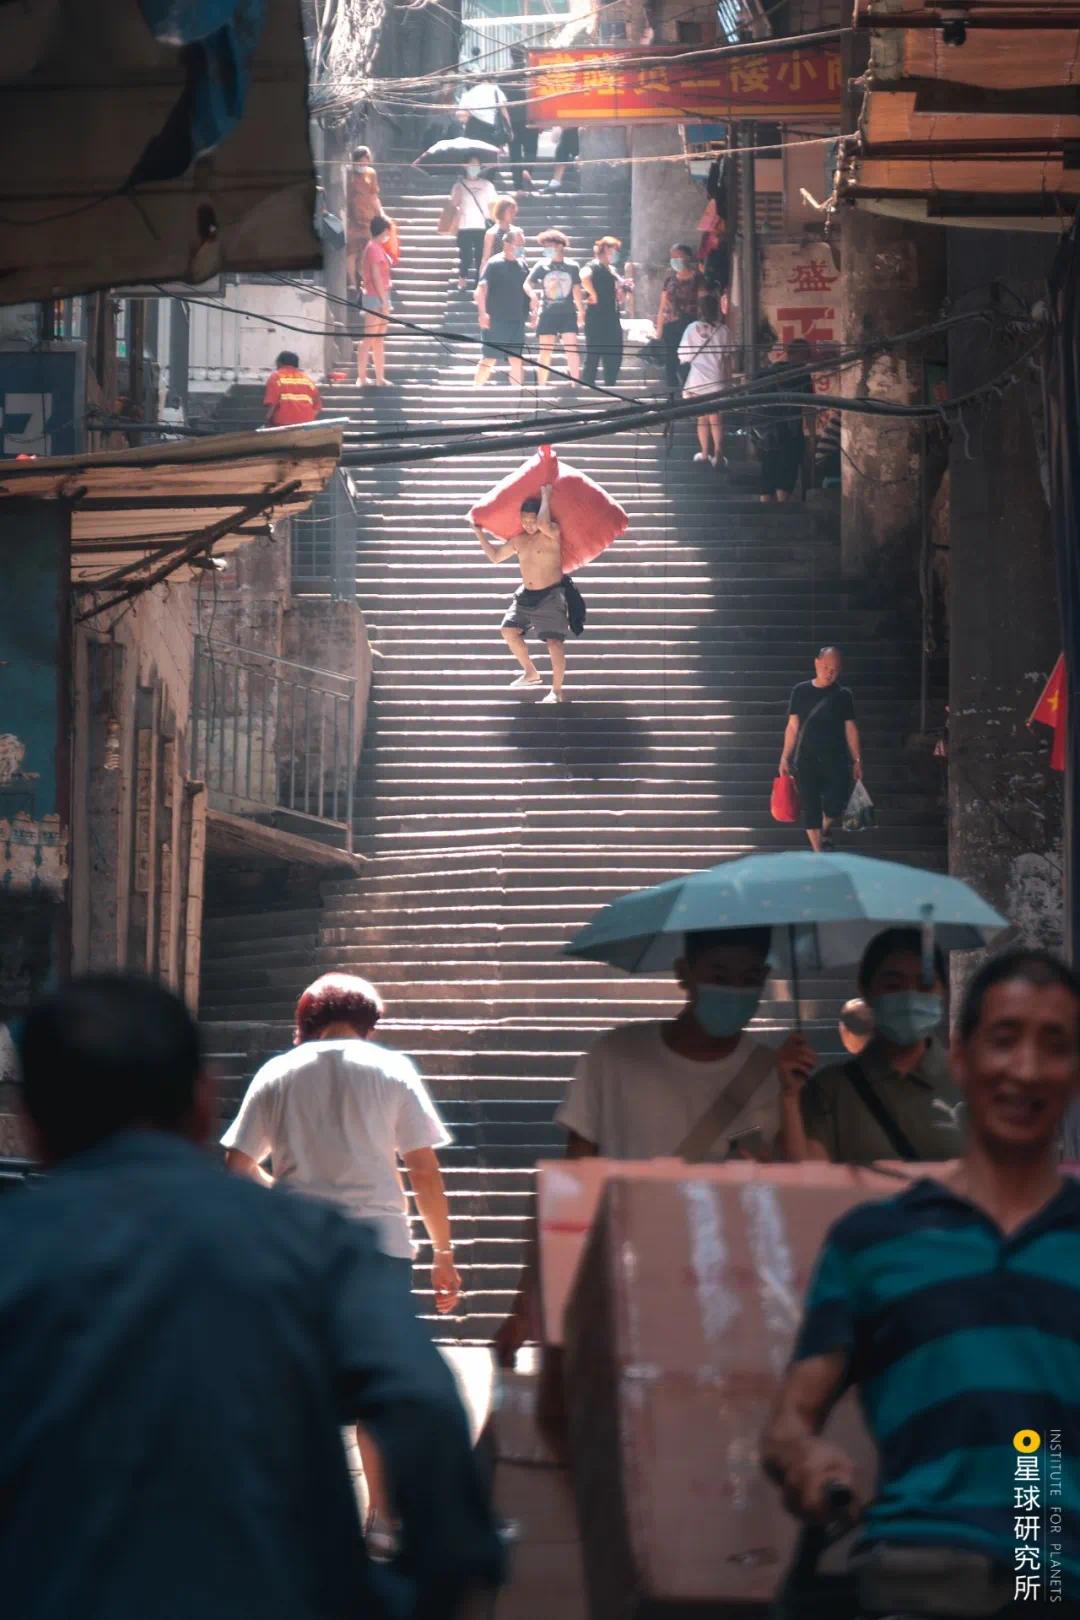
<point x="527" y="679"/>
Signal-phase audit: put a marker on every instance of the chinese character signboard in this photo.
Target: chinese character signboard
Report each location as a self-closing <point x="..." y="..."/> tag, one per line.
<point x="603" y="86"/>
<point x="800" y="292"/>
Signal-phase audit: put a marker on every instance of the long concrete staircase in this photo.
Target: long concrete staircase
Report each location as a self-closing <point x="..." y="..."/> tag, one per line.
<point x="493" y="826"/>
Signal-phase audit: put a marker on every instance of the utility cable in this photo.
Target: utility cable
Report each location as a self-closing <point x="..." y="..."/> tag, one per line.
<point x="717" y="403"/>
<point x="743" y="396"/>
<point x="837" y="362"/>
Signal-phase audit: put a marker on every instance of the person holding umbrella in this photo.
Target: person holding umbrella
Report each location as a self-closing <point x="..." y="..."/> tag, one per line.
<point x="471" y="199"/>
<point x="696" y="1086"/>
<point x="711" y="927"/>
<point x="821" y="747"/>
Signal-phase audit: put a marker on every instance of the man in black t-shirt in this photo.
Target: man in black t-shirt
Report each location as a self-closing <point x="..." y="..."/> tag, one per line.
<point x="821" y="746"/>
<point x="557" y="280"/>
<point x="503" y="301"/>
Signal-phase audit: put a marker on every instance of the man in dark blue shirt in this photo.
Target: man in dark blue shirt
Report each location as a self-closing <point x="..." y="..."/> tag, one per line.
<point x="178" y="1348"/>
<point x="954" y="1309"/>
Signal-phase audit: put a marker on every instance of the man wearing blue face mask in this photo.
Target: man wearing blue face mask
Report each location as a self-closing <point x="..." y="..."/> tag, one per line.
<point x="696" y="1086"/>
<point x="897" y="1099"/>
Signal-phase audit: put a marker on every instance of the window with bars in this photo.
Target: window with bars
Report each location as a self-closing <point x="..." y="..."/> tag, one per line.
<point x="324" y="544"/>
<point x="742" y="19"/>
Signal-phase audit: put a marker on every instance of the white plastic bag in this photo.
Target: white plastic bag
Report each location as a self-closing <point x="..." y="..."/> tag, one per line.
<point x="859" y="814"/>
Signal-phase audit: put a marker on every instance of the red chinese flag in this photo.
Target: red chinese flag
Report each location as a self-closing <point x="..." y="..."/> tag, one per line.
<point x="1052" y="710"/>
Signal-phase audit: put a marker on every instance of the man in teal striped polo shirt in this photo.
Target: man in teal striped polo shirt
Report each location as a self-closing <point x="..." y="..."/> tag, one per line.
<point x="954" y="1309"/>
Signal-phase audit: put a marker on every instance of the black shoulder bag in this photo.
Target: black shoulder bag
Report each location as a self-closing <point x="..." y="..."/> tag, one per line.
<point x="801" y="738"/>
<point x="876" y="1108"/>
<point x="575" y="605"/>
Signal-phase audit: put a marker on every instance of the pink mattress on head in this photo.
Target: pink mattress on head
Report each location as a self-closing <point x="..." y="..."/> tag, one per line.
<point x="588" y="517"/>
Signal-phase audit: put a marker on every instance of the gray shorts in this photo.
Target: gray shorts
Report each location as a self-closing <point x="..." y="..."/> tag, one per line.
<point x="542" y="612"/>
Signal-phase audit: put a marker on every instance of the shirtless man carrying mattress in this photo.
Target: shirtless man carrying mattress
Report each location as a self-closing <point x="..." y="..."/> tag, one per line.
<point x="539" y="603"/>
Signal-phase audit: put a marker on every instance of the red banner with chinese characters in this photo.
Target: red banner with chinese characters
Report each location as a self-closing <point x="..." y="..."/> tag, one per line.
<point x="599" y="85"/>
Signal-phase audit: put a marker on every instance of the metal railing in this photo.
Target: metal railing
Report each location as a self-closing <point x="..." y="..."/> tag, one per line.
<point x="271" y="738"/>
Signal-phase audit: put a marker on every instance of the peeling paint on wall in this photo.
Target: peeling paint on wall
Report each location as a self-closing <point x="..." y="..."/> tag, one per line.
<point x="1034" y="898"/>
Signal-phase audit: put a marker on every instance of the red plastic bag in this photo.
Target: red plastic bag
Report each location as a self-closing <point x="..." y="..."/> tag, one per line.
<point x="588" y="517"/>
<point x="784" y="803"/>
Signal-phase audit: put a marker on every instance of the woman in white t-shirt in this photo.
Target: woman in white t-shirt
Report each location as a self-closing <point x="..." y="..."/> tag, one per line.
<point x="705" y="347"/>
<point x="473" y="197"/>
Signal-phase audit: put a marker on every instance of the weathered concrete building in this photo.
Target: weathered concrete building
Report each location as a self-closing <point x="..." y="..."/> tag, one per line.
<point x="120" y="771"/>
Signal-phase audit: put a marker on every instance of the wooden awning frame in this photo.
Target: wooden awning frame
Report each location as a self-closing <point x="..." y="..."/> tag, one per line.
<point x="979" y="14"/>
<point x="142" y="509"/>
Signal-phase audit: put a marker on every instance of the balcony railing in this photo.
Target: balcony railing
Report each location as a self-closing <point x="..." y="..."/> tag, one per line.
<point x="272" y="739"/>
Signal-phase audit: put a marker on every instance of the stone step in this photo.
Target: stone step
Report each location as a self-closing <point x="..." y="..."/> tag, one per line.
<point x="595" y="670"/>
<point x="512" y="865"/>
<point x="552" y="813"/>
<point x="588" y="715"/>
<point x="525" y="1002"/>
<point x="727" y="755"/>
<point x="739" y="789"/>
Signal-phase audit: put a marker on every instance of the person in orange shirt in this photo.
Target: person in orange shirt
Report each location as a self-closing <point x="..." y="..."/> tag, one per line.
<point x="291" y="397"/>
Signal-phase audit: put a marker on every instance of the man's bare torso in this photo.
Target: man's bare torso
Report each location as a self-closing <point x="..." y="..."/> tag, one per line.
<point x="539" y="558"/>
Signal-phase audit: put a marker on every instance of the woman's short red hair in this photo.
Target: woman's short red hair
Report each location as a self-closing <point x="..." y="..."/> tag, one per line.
<point x="337" y="998"/>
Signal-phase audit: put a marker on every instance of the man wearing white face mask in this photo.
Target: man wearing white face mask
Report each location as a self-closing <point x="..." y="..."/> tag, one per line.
<point x="897" y="1099"/>
<point x="696" y="1086"/>
<point x="472" y="197"/>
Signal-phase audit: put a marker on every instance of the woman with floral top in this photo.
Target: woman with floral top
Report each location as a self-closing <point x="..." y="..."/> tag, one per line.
<point x="678" y="307"/>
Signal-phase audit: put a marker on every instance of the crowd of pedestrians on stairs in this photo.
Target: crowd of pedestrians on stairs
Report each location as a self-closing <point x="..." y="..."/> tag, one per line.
<point x="564" y="301"/>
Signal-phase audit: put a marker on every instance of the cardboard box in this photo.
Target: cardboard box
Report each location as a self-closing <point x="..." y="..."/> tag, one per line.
<point x="678" y="1331"/>
<point x="569" y="1192"/>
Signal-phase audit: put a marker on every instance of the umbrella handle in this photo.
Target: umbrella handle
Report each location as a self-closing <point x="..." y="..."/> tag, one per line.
<point x="928" y="941"/>
<point x="795" y="996"/>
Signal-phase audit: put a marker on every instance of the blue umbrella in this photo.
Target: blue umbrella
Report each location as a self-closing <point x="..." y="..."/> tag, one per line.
<point x="823" y="909"/>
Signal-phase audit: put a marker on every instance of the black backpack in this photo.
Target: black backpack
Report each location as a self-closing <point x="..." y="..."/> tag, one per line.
<point x="575" y="605"/>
